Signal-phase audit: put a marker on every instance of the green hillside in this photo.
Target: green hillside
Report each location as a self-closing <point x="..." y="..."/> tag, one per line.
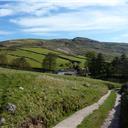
<point x="76" y="46"/>
<point x="67" y="50"/>
<point x="45" y="98"/>
<point x="35" y="56"/>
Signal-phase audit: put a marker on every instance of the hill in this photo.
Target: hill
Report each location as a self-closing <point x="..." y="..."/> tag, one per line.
<point x="35" y="56"/>
<point x="44" y="99"/>
<point x="77" y="45"/>
<point x="67" y="50"/>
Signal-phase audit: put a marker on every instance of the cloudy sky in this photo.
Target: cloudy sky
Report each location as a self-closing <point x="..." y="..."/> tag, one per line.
<point x="104" y="20"/>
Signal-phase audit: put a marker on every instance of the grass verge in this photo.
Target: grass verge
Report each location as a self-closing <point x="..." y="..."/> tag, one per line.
<point x="96" y="119"/>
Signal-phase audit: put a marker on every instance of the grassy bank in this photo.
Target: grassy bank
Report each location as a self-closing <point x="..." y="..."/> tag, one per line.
<point x="96" y="119"/>
<point x="45" y="98"/>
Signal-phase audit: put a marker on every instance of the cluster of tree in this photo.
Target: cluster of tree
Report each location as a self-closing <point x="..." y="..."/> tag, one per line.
<point x="96" y="64"/>
<point x="120" y="66"/>
<point x="50" y="62"/>
<point x="3" y="59"/>
<point x="100" y="68"/>
<point x="18" y="63"/>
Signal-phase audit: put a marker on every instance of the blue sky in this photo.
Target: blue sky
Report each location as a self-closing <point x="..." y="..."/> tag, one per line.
<point x="104" y="20"/>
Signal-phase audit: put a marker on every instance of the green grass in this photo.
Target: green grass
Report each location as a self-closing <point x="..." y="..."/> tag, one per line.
<point x="51" y="97"/>
<point x="46" y="51"/>
<point x="110" y="85"/>
<point x="61" y="54"/>
<point x="96" y="119"/>
<point x="38" y="54"/>
<point x="33" y="64"/>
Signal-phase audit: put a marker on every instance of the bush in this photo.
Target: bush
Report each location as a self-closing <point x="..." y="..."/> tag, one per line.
<point x="49" y="62"/>
<point x="21" y="63"/>
<point x="3" y="59"/>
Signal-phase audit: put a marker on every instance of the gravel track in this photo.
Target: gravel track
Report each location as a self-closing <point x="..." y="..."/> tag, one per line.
<point x="74" y="120"/>
<point x="113" y="119"/>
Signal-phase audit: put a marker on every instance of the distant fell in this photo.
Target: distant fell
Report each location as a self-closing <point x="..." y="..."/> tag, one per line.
<point x="78" y="45"/>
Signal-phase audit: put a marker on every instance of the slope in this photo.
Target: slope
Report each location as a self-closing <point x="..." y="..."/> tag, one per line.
<point x="77" y="45"/>
<point x="44" y="99"/>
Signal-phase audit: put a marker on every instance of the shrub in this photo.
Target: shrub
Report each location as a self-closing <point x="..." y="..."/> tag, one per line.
<point x="49" y="62"/>
<point x="21" y="63"/>
<point x="3" y="59"/>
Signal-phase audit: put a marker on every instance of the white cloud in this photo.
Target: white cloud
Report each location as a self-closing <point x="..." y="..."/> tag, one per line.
<point x="73" y="21"/>
<point x="4" y="32"/>
<point x="23" y="7"/>
<point x="5" y="12"/>
<point x="79" y="2"/>
<point x="40" y="7"/>
<point x="42" y="16"/>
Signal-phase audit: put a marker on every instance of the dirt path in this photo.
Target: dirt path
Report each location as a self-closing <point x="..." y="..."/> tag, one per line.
<point x="74" y="120"/>
<point x="113" y="120"/>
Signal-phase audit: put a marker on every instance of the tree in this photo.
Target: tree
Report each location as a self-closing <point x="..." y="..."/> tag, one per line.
<point x="123" y="57"/>
<point x="75" y="65"/>
<point x="101" y="66"/>
<point x="49" y="62"/>
<point x="124" y="65"/>
<point x="120" y="65"/>
<point x="21" y="63"/>
<point x="115" y="66"/>
<point x="3" y="59"/>
<point x="69" y="65"/>
<point x="98" y="66"/>
<point x="92" y="65"/>
<point x="89" y="56"/>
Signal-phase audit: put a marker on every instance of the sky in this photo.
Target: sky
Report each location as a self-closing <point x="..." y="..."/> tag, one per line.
<point x="103" y="20"/>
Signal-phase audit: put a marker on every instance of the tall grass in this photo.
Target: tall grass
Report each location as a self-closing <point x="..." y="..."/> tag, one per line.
<point x="51" y="98"/>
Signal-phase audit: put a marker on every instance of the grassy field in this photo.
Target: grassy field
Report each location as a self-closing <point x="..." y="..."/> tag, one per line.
<point x="33" y="63"/>
<point x="96" y="119"/>
<point x="45" y="97"/>
<point x="35" y="56"/>
<point x="77" y="46"/>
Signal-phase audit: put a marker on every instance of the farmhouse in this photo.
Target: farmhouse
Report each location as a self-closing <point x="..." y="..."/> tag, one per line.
<point x="67" y="72"/>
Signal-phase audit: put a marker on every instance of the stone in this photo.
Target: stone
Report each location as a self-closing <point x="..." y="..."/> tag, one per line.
<point x="86" y="84"/>
<point x="21" y="88"/>
<point x="2" y="120"/>
<point x="11" y="108"/>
